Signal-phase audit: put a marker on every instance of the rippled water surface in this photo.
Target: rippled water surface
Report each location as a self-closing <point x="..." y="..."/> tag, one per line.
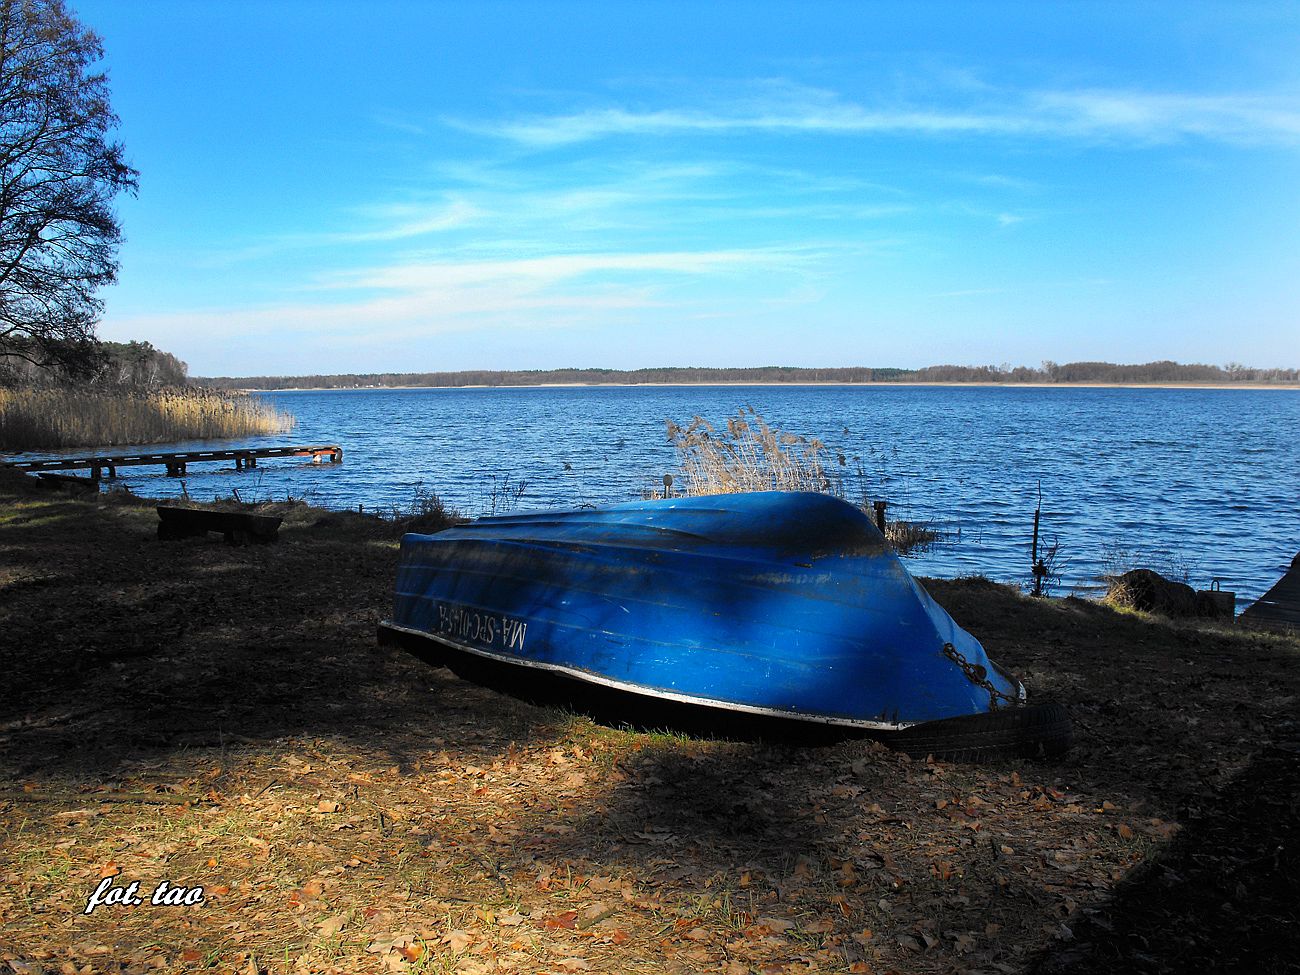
<point x="1204" y="482"/>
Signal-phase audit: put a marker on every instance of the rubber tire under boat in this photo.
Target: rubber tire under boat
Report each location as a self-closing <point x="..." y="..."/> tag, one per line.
<point x="1028" y="731"/>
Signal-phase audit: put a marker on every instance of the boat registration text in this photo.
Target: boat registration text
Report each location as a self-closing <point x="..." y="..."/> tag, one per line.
<point x="485" y="629"/>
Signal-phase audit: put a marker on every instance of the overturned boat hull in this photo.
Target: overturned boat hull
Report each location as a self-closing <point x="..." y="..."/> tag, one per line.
<point x="780" y="613"/>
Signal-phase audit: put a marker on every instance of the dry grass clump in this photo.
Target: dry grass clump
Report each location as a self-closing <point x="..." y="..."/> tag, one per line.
<point x="750" y="455"/>
<point x="910" y="536"/>
<point x="427" y="513"/>
<point x="34" y="418"/>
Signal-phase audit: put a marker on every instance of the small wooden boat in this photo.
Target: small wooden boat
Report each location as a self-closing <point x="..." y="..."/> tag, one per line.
<point x="777" y="613"/>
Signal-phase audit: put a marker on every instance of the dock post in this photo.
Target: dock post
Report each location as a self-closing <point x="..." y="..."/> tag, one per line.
<point x="112" y="472"/>
<point x="880" y="514"/>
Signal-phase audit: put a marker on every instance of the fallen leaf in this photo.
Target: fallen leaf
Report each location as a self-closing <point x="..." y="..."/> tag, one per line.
<point x="411" y="953"/>
<point x="332" y="925"/>
<point x="566" y="920"/>
<point x="459" y="940"/>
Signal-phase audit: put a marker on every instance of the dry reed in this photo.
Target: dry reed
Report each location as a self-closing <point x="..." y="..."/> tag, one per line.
<point x="49" y="418"/>
<point x="750" y="455"/>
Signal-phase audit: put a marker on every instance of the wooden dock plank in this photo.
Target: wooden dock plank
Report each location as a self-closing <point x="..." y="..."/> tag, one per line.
<point x="1279" y="608"/>
<point x="175" y="461"/>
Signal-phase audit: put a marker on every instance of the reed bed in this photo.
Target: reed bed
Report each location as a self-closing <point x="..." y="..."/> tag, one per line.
<point x="47" y="418"/>
<point x="750" y="455"/>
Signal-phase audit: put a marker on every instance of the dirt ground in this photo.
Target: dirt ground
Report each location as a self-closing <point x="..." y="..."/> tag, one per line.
<point x="195" y="714"/>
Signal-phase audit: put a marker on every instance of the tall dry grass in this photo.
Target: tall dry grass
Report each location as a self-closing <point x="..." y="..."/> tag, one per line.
<point x="47" y="418"/>
<point x="750" y="455"/>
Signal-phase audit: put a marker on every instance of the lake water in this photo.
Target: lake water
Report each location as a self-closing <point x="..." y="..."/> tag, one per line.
<point x="1201" y="482"/>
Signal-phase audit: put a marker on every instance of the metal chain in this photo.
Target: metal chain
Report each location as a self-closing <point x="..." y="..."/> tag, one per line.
<point x="977" y="675"/>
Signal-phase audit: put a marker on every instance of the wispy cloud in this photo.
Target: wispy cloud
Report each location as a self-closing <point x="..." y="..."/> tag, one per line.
<point x="601" y="205"/>
<point x="380" y="224"/>
<point x="531" y="274"/>
<point x="437" y="296"/>
<point x="405" y="222"/>
<point x="1093" y="114"/>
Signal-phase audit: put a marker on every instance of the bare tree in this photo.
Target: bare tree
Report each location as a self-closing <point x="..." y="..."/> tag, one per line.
<point x="59" y="173"/>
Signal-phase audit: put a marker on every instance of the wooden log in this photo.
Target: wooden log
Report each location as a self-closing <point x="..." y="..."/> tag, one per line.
<point x="68" y="482"/>
<point x="238" y="527"/>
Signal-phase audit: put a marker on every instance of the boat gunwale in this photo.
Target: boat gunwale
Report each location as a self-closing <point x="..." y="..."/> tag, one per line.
<point x="643" y="690"/>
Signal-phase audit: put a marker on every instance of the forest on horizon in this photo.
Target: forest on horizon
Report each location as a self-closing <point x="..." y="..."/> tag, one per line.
<point x="1163" y="371"/>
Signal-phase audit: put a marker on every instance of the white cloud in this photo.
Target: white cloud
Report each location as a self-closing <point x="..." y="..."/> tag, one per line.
<point x="541" y="272"/>
<point x="408" y="221"/>
<point x="1097" y="114"/>
<point x="383" y="224"/>
<point x="432" y="297"/>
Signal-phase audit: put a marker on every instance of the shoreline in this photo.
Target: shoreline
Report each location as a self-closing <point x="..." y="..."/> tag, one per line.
<point x="743" y="384"/>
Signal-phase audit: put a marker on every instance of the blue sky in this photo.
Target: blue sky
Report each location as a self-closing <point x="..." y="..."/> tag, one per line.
<point x="336" y="187"/>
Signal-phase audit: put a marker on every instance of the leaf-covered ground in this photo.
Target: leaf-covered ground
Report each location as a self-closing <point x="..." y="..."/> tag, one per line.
<point x="199" y="714"/>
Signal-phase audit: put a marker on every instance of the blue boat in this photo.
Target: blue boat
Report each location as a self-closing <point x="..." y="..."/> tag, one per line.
<point x="777" y="613"/>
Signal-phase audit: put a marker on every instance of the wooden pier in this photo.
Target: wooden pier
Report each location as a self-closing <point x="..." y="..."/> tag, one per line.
<point x="176" y="461"/>
<point x="1279" y="608"/>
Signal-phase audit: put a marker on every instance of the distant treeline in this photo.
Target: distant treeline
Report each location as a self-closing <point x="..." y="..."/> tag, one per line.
<point x="98" y="364"/>
<point x="1049" y="372"/>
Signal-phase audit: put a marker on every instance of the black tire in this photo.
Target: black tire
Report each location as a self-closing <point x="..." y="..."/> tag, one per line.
<point x="1031" y="731"/>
